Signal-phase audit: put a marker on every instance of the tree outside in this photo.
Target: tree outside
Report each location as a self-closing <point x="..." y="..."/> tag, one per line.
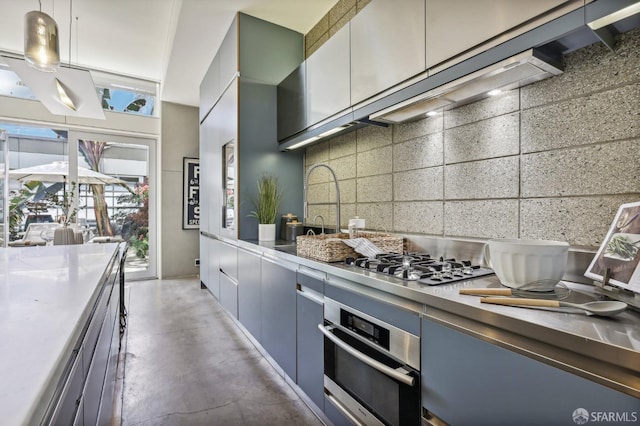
<point x="92" y="151"/>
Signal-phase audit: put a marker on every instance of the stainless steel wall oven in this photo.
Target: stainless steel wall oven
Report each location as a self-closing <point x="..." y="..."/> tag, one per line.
<point x="371" y="368"/>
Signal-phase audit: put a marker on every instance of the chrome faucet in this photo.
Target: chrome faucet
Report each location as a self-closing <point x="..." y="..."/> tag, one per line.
<point x="306" y="189"/>
<point x="315" y="220"/>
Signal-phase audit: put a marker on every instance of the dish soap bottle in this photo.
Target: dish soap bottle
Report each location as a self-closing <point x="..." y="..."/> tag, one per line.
<point x="356" y="227"/>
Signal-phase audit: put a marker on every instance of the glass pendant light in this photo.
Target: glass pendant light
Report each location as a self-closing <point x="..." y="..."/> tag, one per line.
<point x="41" y="46"/>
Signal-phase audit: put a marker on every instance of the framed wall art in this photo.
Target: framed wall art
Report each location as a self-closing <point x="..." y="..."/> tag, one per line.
<point x="191" y="193"/>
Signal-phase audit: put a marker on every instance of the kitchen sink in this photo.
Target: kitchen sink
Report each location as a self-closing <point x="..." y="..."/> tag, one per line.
<point x="287" y="248"/>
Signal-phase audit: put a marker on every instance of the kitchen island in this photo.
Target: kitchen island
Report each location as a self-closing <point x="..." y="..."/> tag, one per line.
<point x="489" y="358"/>
<point x="58" y="318"/>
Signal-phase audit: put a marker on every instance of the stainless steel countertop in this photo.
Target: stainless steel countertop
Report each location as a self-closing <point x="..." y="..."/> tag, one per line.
<point x="604" y="350"/>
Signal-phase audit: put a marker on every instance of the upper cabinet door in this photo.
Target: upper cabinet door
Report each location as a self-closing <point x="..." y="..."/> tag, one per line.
<point x="229" y="55"/>
<point x="387" y="45"/>
<point x="206" y="163"/>
<point x="292" y="103"/>
<point x="210" y="87"/>
<point x="328" y="78"/>
<point x="452" y="31"/>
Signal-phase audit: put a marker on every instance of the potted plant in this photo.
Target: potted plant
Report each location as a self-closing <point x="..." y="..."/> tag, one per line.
<point x="266" y="205"/>
<point x="65" y="234"/>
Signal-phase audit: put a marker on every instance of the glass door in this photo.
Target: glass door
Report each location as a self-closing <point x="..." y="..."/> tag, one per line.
<point x="35" y="175"/>
<point x="118" y="200"/>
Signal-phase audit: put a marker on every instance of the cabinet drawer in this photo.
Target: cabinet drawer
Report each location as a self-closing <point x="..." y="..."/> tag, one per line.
<point x="278" y="313"/>
<point x="229" y="294"/>
<point x="310" y="348"/>
<point x="93" y="331"/>
<point x="229" y="260"/>
<point x="67" y="407"/>
<point x="97" y="372"/>
<point x="249" y="291"/>
<point x="313" y="280"/>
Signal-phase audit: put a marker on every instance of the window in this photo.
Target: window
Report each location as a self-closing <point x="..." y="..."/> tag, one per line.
<point x="117" y="93"/>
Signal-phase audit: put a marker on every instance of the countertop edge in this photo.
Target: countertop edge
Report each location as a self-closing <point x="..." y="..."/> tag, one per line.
<point x="42" y="401"/>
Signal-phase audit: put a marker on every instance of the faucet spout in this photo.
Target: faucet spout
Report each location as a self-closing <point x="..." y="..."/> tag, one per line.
<point x="306" y="190"/>
<point x="315" y="220"/>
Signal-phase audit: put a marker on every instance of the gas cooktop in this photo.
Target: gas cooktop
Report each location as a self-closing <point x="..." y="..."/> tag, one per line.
<point x="421" y="267"/>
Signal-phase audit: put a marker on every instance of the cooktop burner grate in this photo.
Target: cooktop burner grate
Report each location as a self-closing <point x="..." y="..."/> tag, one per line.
<point x="420" y="267"/>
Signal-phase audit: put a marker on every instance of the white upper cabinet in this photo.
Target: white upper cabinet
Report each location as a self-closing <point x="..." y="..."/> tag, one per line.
<point x="387" y="45"/>
<point x="453" y="30"/>
<point x="328" y="75"/>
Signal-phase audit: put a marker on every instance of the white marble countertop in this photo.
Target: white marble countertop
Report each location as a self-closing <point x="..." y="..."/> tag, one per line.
<point x="46" y="296"/>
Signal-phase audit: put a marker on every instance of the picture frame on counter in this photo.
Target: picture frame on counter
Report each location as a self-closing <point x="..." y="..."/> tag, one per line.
<point x="620" y="251"/>
<point x="191" y="193"/>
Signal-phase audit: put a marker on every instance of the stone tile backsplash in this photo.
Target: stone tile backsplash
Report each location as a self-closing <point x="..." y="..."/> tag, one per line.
<point x="424" y="217"/>
<point x="494" y="178"/>
<point x="419" y="184"/>
<point x="597" y="117"/>
<point x="584" y="170"/>
<point x="582" y="221"/>
<point x="589" y="70"/>
<point x="374" y="162"/>
<point x="481" y="218"/>
<point x="423" y="151"/>
<point x="552" y="160"/>
<point x="374" y="188"/>
<point x="494" y="137"/>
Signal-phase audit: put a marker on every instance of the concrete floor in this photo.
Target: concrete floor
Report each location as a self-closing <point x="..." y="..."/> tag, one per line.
<point x="187" y="363"/>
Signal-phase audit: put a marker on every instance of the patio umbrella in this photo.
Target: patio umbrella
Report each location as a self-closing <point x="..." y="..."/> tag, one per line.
<point x="58" y="171"/>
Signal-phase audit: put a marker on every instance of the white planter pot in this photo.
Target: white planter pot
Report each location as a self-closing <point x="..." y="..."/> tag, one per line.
<point x="267" y="231"/>
<point x="63" y="236"/>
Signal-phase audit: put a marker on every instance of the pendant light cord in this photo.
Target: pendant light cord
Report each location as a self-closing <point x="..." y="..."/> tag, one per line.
<point x="70" y="28"/>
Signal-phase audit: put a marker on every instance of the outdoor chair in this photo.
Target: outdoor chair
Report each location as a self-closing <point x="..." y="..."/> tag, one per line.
<point x="33" y="235"/>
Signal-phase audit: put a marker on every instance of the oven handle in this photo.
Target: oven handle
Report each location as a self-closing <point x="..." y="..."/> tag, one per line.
<point x="394" y="374"/>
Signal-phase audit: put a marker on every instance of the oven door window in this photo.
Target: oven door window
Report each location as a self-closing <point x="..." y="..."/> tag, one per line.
<point x="392" y="402"/>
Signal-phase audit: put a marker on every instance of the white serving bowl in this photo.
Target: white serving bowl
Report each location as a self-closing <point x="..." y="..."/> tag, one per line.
<point x="535" y="265"/>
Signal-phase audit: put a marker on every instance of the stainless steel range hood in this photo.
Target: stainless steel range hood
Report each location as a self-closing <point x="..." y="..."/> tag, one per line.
<point x="519" y="70"/>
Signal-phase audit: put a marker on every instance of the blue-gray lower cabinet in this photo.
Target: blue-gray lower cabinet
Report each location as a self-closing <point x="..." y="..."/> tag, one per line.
<point x="310" y="347"/>
<point x="228" y="255"/>
<point x="213" y="250"/>
<point x="249" y="292"/>
<point x="229" y="294"/>
<point x="204" y="261"/>
<point x="467" y="381"/>
<point x="278" y="313"/>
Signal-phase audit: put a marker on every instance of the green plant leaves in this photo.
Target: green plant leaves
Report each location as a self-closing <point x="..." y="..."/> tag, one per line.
<point x="268" y="199"/>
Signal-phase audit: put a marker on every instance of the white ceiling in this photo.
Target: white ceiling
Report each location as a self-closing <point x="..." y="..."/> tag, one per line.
<point x="169" y="41"/>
